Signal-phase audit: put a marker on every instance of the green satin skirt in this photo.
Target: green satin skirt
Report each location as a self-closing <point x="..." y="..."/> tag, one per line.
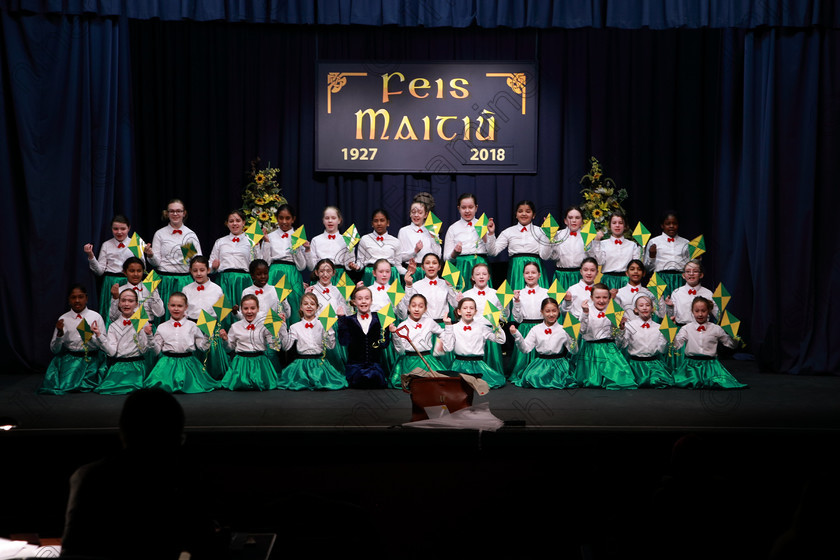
<point x="705" y="374"/>
<point x="215" y="360"/>
<point x="614" y="282"/>
<point x="465" y="264"/>
<point x="169" y="284"/>
<point x="122" y="378"/>
<point x="516" y="267"/>
<point x="602" y="365"/>
<point x="567" y="278"/>
<point x="494" y="379"/>
<point x="408" y="363"/>
<point x="652" y="373"/>
<point x="294" y="282"/>
<point x="311" y="374"/>
<point x="232" y="284"/>
<point x="250" y="373"/>
<point x="67" y="373"/>
<point x="519" y="361"/>
<point x="105" y="297"/>
<point x="180" y="375"/>
<point x="547" y="374"/>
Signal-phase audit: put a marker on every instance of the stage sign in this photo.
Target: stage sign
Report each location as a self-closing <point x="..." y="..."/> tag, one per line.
<point x="427" y="117"/>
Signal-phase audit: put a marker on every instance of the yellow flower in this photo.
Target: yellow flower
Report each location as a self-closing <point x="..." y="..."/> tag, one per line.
<point x="596" y="196"/>
<point x="259" y="179"/>
<point x="264" y="216"/>
<point x="597" y="176"/>
<point x="260" y="201"/>
<point x="597" y="213"/>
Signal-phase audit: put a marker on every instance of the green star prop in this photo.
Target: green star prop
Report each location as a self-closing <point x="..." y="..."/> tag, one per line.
<point x="327" y="317"/>
<point x="206" y="323"/>
<point x="721" y="296"/>
<point x="641" y="234"/>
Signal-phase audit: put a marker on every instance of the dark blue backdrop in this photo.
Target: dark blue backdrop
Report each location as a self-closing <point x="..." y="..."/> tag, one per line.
<point x="732" y="119"/>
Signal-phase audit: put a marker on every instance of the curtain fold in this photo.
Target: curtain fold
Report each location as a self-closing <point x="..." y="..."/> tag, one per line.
<point x="651" y="14"/>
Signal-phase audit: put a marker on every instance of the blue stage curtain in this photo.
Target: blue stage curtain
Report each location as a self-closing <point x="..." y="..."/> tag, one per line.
<point x="778" y="200"/>
<point x="65" y="164"/>
<point x="622" y="14"/>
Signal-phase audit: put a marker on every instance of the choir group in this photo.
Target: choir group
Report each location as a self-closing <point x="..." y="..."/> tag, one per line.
<point x="447" y="325"/>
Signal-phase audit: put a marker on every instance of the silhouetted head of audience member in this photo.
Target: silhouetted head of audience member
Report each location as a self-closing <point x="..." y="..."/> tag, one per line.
<point x="152" y="421"/>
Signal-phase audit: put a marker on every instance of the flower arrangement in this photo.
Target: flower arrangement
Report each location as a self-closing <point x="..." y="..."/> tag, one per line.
<point x="262" y="196"/>
<point x="601" y="197"/>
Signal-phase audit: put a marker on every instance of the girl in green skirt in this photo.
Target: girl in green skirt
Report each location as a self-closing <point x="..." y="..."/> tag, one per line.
<point x="567" y="249"/>
<point x="419" y="328"/>
<point x="645" y="345"/>
<point x="700" y="369"/>
<point x="600" y="363"/>
<point x="176" y="340"/>
<point x="231" y="256"/>
<point x="311" y="370"/>
<point x="462" y="245"/>
<point x="75" y="366"/>
<point x="467" y="339"/>
<point x="250" y="369"/>
<point x="109" y="265"/>
<point x="550" y="368"/>
<point x="126" y="368"/>
<point x="525" y="243"/>
<point x="276" y="249"/>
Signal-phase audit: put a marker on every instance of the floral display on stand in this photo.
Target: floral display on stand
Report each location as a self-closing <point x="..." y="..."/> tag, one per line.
<point x="262" y="196"/>
<point x="601" y="196"/>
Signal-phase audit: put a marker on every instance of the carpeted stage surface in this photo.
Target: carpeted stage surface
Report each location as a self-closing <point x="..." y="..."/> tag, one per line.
<point x="575" y="474"/>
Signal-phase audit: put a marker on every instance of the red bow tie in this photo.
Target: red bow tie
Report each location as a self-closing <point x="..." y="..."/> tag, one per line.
<point x="78" y="316"/>
<point x="480" y="292"/>
<point x="308" y="326"/>
<point x="420" y="230"/>
<point x="284" y="236"/>
<point x="469" y="223"/>
<point x="250" y="328"/>
<point x="692" y="292"/>
<point x="433" y="282"/>
<point x="235" y="240"/>
<point x="176" y="324"/>
<point x="177" y="231"/>
<point x="601" y="315"/>
<point x="137" y="288"/>
<point x="258" y="292"/>
<point x="121" y="246"/>
<point x="670" y="240"/>
<point x="467" y="328"/>
<point x="418" y="326"/>
<point x="532" y="291"/>
<point x="380" y="288"/>
<point x="618" y="241"/>
<point x="547" y="331"/>
<point x="330" y="236"/>
<point x="645" y="326"/>
<point x="634" y="290"/>
<point x="523" y="230"/>
<point x="325" y="291"/>
<point x="588" y="288"/>
<point x="701" y="328"/>
<point x="126" y="322"/>
<point x="573" y="233"/>
<point x="364" y="316"/>
<point x="380" y="238"/>
<point x="200" y="289"/>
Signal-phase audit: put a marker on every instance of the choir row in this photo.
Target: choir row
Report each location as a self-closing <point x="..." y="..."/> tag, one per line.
<point x="539" y="360"/>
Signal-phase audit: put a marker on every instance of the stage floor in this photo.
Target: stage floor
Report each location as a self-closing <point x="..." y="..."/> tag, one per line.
<point x="773" y="402"/>
<point x="273" y="462"/>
